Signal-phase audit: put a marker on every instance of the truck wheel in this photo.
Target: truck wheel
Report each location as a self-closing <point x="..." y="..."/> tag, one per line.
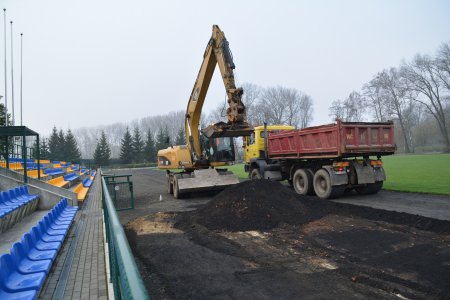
<point x="176" y="189"/>
<point x="255" y="174"/>
<point x="371" y="188"/>
<point x="169" y="185"/>
<point x="323" y="187"/>
<point x="303" y="182"/>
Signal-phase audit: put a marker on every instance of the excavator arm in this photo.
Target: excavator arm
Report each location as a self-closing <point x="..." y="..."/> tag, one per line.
<point x="217" y="53"/>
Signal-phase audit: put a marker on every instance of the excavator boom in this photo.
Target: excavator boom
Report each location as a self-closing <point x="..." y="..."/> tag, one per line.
<point x="214" y="145"/>
<point x="217" y="52"/>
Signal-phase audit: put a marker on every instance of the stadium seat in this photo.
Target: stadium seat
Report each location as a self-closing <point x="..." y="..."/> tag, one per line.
<point x="25" y="265"/>
<point x="14" y="281"/>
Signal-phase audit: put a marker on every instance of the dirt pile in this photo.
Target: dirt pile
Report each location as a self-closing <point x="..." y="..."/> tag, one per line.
<point x="251" y="205"/>
<point x="264" y="204"/>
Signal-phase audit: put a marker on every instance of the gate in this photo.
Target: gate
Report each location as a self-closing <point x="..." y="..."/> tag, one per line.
<point x="120" y="188"/>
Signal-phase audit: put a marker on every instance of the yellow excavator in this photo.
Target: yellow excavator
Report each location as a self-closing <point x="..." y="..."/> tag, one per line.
<point x="213" y="146"/>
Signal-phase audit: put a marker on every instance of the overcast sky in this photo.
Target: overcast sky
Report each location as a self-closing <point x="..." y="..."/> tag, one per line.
<point x="89" y="63"/>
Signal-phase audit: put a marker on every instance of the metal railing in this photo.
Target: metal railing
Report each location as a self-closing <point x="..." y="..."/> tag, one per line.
<point x="125" y="277"/>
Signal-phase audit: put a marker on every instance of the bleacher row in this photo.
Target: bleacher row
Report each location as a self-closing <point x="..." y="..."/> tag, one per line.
<point x="23" y="271"/>
<point x="15" y="204"/>
<point x="58" y="173"/>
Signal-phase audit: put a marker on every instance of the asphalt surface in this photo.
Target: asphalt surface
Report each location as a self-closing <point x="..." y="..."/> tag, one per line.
<point x="431" y="206"/>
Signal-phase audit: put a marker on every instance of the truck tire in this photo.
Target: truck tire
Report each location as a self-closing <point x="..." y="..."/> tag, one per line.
<point x="169" y="184"/>
<point x="371" y="188"/>
<point x="176" y="189"/>
<point x="255" y="174"/>
<point x="303" y="182"/>
<point x="323" y="187"/>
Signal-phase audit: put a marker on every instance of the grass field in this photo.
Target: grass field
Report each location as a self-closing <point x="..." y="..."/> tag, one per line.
<point x="428" y="173"/>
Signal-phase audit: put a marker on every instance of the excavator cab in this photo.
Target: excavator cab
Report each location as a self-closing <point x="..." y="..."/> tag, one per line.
<point x="220" y="149"/>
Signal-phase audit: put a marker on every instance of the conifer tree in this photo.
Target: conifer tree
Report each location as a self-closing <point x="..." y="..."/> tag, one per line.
<point x="102" y="153"/>
<point x="138" y="146"/>
<point x="181" y="137"/>
<point x="150" y="150"/>
<point x="53" y="144"/>
<point x="35" y="150"/>
<point x="126" y="148"/>
<point x="61" y="146"/>
<point x="44" y="149"/>
<point x="160" y="140"/>
<point x="72" y="152"/>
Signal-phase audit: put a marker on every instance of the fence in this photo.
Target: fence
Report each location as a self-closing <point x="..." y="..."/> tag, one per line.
<point x="125" y="277"/>
<point x="120" y="189"/>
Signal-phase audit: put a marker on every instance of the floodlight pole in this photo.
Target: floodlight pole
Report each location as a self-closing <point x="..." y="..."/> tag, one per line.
<point x="6" y="73"/>
<point x="12" y="78"/>
<point x="21" y="64"/>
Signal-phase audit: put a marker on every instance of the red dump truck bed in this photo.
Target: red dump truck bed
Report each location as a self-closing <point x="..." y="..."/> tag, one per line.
<point x="342" y="139"/>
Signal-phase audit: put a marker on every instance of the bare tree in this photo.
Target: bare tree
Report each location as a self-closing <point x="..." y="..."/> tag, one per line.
<point x="442" y="62"/>
<point x="352" y="109"/>
<point x="280" y="105"/>
<point x="273" y="105"/>
<point x="397" y="98"/>
<point x="337" y="110"/>
<point x="376" y="102"/>
<point x="251" y="97"/>
<point x="423" y="77"/>
<point x="217" y="114"/>
<point x="306" y="110"/>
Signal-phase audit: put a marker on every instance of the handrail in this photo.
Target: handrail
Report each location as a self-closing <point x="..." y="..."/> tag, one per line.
<point x="126" y="279"/>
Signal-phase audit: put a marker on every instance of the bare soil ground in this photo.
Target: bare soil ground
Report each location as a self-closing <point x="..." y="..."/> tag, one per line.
<point x="345" y="252"/>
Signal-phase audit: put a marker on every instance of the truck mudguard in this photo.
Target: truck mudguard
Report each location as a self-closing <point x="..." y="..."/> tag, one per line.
<point x="336" y="179"/>
<point x="364" y="173"/>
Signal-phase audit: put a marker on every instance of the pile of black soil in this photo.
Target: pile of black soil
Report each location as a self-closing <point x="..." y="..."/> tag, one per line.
<point x="264" y="204"/>
<point x="251" y="205"/>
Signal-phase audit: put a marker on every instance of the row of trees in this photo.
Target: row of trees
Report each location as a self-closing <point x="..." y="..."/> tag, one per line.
<point x="60" y="146"/>
<point x="135" y="149"/>
<point x="416" y="95"/>
<point x="276" y="105"/>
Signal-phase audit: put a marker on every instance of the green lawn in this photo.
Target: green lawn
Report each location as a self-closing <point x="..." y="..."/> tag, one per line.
<point x="238" y="170"/>
<point x="428" y="173"/>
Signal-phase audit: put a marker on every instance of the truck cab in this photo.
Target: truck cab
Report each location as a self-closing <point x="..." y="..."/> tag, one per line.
<point x="254" y="144"/>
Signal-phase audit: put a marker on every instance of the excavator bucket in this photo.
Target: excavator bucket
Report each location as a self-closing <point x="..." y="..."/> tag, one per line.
<point x="222" y="129"/>
<point x="205" y="180"/>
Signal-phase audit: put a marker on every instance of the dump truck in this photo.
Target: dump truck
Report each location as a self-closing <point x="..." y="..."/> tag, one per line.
<point x="323" y="160"/>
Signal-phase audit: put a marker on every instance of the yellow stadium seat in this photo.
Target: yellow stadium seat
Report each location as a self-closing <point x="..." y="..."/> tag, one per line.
<point x="81" y="191"/>
<point x="58" y="181"/>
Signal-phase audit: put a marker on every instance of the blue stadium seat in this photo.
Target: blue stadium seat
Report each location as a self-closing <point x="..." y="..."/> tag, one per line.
<point x="40" y="244"/>
<point x="14" y="281"/>
<point x="25" y="265"/>
<point x="24" y="295"/>
<point x="59" y="220"/>
<point x="25" y="192"/>
<point x="47" y="221"/>
<point x="33" y="253"/>
<point x="87" y="182"/>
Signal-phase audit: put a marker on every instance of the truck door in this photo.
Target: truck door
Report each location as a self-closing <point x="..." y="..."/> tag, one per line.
<point x="251" y="149"/>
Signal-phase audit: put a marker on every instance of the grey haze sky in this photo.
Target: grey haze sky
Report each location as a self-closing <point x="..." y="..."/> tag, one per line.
<point x="90" y="63"/>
